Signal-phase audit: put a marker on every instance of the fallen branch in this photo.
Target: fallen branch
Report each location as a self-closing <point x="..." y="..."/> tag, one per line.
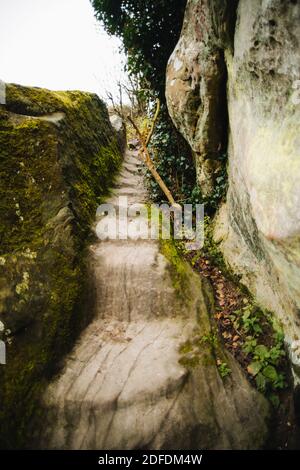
<point x="148" y="161"/>
<point x="153" y="123"/>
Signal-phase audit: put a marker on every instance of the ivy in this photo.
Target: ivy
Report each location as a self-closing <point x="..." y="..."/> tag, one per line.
<point x="149" y="31"/>
<point x="266" y="360"/>
<point x="173" y="161"/>
<point x="219" y="192"/>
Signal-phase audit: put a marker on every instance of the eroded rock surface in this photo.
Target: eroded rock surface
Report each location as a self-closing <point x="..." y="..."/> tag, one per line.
<point x="119" y="127"/>
<point x="259" y="225"/>
<point x="196" y="83"/>
<point x="144" y="374"/>
<point x="59" y="154"/>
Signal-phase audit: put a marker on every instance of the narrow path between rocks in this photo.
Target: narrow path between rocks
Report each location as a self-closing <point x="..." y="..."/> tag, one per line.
<point x="122" y="386"/>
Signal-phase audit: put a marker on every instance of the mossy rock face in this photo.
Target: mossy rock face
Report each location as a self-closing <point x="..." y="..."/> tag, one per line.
<point x="58" y="155"/>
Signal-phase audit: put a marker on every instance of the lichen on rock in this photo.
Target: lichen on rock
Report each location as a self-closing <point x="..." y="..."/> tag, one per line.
<point x="59" y="154"/>
<point x="250" y="50"/>
<point x="259" y="225"/>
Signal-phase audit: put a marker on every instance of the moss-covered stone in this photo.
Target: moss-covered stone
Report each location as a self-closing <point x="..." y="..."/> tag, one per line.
<point x="58" y="155"/>
<point x="178" y="268"/>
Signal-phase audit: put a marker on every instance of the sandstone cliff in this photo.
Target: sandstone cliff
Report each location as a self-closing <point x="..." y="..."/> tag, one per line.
<point x="58" y="157"/>
<point x="242" y="60"/>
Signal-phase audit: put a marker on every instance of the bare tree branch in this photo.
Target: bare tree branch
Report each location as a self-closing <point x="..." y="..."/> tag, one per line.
<point x="153" y="123"/>
<point x="147" y="158"/>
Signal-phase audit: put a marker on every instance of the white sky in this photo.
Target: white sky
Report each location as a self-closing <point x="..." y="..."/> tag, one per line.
<point x="57" y="44"/>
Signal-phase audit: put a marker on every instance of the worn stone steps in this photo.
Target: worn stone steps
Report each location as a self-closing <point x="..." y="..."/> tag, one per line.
<point x="124" y="385"/>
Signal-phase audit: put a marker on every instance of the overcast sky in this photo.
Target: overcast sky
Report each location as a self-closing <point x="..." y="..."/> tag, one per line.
<point x="57" y="44"/>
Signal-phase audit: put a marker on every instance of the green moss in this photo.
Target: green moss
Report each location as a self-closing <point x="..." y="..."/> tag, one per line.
<point x="211" y="248"/>
<point x="178" y="268"/>
<point x="201" y="349"/>
<point x="189" y="362"/>
<point x="186" y="347"/>
<point x="33" y="101"/>
<point x="52" y="179"/>
<point x="43" y="166"/>
<point x="204" y="346"/>
<point x="26" y="172"/>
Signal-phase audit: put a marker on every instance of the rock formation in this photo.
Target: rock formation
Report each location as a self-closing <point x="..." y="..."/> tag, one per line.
<point x="58" y="157"/>
<point x="196" y="84"/>
<point x="144" y="374"/>
<point x="257" y="48"/>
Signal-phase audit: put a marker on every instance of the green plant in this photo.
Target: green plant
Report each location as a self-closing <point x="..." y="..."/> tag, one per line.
<point x="223" y="368"/>
<point x="173" y="161"/>
<point x="220" y="188"/>
<point x="264" y="367"/>
<point x="260" y="340"/>
<point x="250" y="320"/>
<point x="149" y="32"/>
<point x="265" y="361"/>
<point x="249" y="345"/>
<point x="211" y="249"/>
<point x="211" y="339"/>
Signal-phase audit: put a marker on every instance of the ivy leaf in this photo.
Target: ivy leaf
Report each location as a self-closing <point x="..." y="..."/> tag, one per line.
<point x="274" y="399"/>
<point x="254" y="368"/>
<point x="270" y="373"/>
<point x="261" y="351"/>
<point x="260" y="382"/>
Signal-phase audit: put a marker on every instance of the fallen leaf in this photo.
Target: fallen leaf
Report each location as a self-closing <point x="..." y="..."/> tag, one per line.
<point x="226" y="335"/>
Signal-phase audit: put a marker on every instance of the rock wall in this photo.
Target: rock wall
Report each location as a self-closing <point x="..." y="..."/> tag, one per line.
<point x="196" y="84"/>
<point x="58" y="157"/>
<point x="259" y="225"/>
<point x="120" y="129"/>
